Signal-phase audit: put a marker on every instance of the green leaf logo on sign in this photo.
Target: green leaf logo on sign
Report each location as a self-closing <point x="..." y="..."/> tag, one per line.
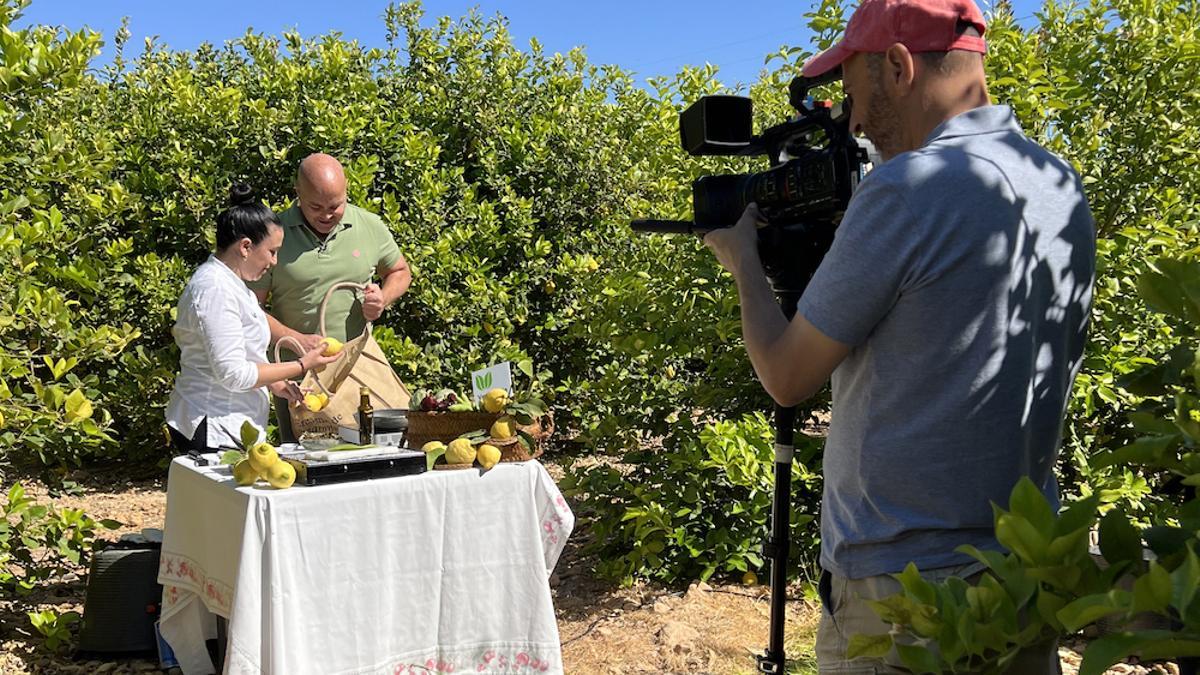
<point x="497" y="376"/>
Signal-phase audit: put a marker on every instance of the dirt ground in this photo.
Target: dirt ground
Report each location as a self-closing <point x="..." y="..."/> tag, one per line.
<point x="604" y="628"/>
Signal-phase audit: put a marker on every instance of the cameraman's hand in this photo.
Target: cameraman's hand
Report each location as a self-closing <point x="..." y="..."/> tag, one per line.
<point x="737" y="246"/>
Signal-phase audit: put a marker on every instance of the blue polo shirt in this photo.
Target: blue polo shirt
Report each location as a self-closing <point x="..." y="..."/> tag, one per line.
<point x="961" y="276"/>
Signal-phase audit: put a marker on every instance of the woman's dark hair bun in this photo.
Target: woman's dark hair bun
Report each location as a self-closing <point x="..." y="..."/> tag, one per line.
<point x="246" y="217"/>
<point x="241" y="193"/>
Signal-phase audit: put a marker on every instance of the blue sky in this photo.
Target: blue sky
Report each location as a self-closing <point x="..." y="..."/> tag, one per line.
<point x="649" y="37"/>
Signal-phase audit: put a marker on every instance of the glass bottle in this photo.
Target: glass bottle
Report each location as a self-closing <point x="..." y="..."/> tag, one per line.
<point x="366" y="421"/>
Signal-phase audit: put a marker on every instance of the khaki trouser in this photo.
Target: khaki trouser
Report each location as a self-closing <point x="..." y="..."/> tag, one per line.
<point x="846" y="613"/>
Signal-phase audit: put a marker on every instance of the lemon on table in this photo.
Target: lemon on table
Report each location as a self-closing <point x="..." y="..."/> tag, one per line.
<point x="460" y="451"/>
<point x="281" y="475"/>
<point x="244" y="473"/>
<point x="488" y="455"/>
<point x="263" y="457"/>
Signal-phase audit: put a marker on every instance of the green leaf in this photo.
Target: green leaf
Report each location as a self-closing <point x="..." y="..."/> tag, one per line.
<point x="431" y="457"/>
<point x="1109" y="649"/>
<point x="1120" y="540"/>
<point x="1079" y="515"/>
<point x="869" y="646"/>
<point x="232" y="457"/>
<point x="1185" y="581"/>
<point x="78" y="407"/>
<point x="1152" y="590"/>
<point x="249" y="434"/>
<point x="918" y="659"/>
<point x="343" y="447"/>
<point x="1019" y="536"/>
<point x="1090" y="608"/>
<point x="916" y="587"/>
<point x="525" y="366"/>
<point x="1028" y="502"/>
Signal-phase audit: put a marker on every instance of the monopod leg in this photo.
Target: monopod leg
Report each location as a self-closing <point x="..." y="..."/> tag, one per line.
<point x="776" y="548"/>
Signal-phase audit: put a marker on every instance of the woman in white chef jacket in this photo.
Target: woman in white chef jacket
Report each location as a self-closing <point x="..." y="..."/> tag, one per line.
<point x="222" y="333"/>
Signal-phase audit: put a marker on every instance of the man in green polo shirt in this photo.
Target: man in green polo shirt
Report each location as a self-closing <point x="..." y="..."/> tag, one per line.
<point x="326" y="241"/>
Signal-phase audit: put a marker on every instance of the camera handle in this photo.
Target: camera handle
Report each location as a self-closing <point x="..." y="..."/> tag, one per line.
<point x="776" y="547"/>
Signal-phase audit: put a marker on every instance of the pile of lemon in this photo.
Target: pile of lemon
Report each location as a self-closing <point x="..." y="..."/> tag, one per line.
<point x="462" y="451"/>
<point x="263" y="462"/>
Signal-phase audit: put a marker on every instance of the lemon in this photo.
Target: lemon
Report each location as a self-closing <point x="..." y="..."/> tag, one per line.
<point x="750" y="579"/>
<point x="503" y="428"/>
<point x="488" y="455"/>
<point x="332" y="346"/>
<point x="263" y="457"/>
<point x="313" y="402"/>
<point x="433" y="446"/>
<point x="495" y="400"/>
<point x="281" y="475"/>
<point x="460" y="451"/>
<point x="244" y="473"/>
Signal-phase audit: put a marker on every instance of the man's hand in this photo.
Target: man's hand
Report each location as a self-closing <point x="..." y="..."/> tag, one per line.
<point x="372" y="303"/>
<point x="737" y="246"/>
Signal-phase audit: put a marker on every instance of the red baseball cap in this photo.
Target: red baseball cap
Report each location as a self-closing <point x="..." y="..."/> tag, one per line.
<point x="920" y="25"/>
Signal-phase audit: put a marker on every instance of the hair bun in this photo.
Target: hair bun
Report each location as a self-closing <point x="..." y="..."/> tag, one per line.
<point x="241" y="193"/>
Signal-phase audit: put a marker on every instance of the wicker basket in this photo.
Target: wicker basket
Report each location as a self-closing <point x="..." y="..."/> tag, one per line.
<point x="445" y="426"/>
<point x="513" y="450"/>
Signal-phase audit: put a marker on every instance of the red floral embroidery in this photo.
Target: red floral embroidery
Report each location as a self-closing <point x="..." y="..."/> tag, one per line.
<point x="180" y="574"/>
<point x="489" y="661"/>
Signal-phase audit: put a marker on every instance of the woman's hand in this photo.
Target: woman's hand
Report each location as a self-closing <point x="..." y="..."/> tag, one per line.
<point x="286" y="389"/>
<point x="315" y="358"/>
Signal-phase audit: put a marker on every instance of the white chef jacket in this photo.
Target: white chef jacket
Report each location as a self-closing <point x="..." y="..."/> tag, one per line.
<point x="222" y="334"/>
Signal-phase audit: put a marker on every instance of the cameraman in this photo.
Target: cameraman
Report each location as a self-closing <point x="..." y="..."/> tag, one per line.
<point x="951" y="312"/>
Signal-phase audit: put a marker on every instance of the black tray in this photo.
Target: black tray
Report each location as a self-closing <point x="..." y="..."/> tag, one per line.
<point x="312" y="472"/>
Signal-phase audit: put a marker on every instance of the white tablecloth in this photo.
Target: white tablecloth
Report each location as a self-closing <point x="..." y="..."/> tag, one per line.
<point x="446" y="571"/>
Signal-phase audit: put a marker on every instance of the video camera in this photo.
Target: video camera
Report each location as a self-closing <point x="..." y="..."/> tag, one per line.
<point x="815" y="167"/>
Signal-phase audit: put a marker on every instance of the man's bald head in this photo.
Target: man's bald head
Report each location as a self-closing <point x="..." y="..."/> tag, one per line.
<point x="321" y="190"/>
<point x="321" y="172"/>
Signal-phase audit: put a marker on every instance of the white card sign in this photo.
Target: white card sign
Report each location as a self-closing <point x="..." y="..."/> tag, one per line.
<point x="483" y="381"/>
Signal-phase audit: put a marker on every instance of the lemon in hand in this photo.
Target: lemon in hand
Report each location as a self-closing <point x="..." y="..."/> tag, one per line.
<point x="333" y="346"/>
